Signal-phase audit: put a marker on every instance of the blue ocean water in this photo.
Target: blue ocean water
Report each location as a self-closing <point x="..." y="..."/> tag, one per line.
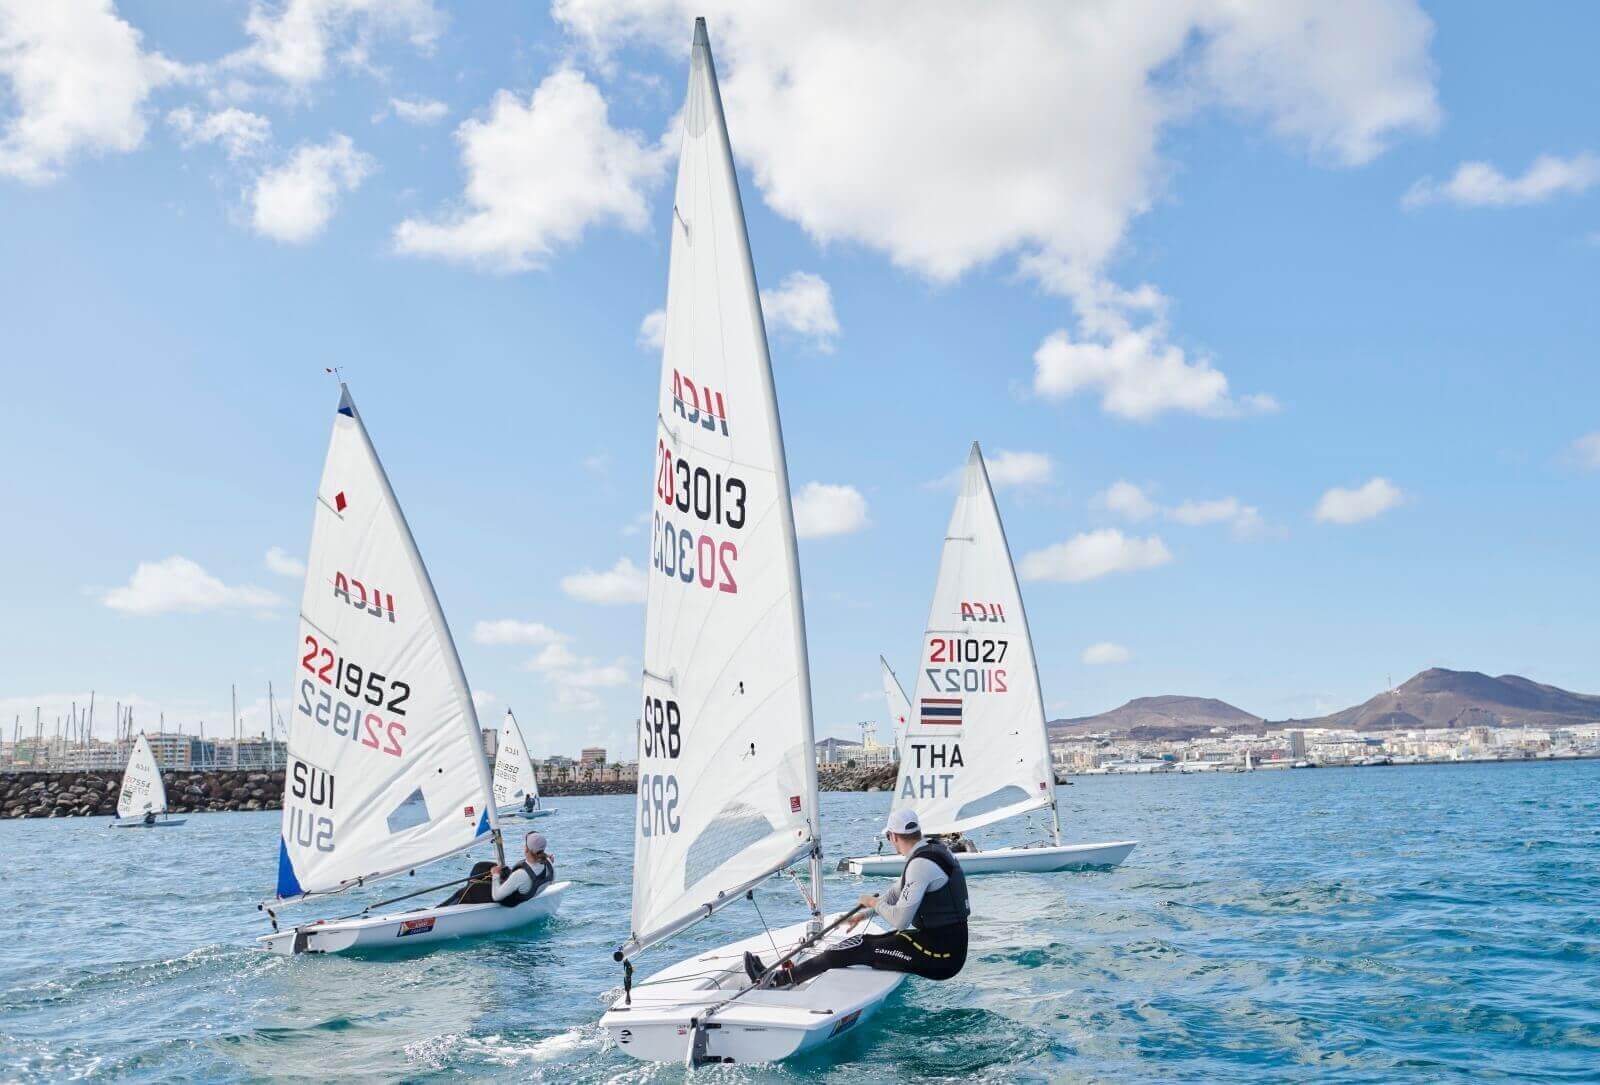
<point x="1419" y="923"/>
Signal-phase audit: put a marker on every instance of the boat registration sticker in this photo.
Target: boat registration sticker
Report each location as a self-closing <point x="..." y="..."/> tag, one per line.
<point x="845" y="1022"/>
<point x="415" y="926"/>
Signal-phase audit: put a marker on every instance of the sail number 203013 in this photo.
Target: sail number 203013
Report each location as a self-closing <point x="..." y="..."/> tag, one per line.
<point x="696" y="497"/>
<point x="352" y="719"/>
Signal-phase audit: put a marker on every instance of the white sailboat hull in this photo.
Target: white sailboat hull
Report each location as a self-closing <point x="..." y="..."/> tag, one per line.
<point x="762" y="1026"/>
<point x="139" y="823"/>
<point x="421" y="926"/>
<point x="519" y="812"/>
<point x="1045" y="860"/>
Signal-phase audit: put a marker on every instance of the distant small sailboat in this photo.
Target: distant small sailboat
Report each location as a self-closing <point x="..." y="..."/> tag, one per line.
<point x="385" y="769"/>
<point x="894" y="694"/>
<point x="975" y="750"/>
<point x="727" y="759"/>
<point x="516" y="785"/>
<point x="142" y="801"/>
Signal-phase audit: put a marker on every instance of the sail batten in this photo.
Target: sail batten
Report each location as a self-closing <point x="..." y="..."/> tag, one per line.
<point x="974" y="750"/>
<point x="385" y="768"/>
<point x="727" y="774"/>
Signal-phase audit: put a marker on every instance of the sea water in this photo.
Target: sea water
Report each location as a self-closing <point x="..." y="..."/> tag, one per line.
<point x="1385" y="924"/>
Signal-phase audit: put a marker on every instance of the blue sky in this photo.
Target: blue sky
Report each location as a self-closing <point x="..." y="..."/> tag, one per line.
<point x="1316" y="289"/>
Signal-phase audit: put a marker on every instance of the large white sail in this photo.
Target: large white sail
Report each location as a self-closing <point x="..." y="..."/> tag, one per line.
<point x="143" y="791"/>
<point x="727" y="769"/>
<point x="975" y="750"/>
<point x="894" y="695"/>
<point x="385" y="768"/>
<point x="514" y="778"/>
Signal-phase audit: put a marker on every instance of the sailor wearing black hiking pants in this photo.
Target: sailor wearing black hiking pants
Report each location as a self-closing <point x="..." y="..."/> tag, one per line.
<point x="927" y="913"/>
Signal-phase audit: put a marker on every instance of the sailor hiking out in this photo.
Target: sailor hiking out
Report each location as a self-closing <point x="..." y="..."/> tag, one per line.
<point x="927" y="911"/>
<point x="510" y="887"/>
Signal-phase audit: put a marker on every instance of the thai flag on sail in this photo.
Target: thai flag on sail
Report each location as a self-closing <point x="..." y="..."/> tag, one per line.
<point x="941" y="711"/>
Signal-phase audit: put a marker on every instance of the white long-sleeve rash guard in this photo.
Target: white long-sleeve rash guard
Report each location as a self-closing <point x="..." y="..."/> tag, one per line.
<point x="517" y="881"/>
<point x="898" y="906"/>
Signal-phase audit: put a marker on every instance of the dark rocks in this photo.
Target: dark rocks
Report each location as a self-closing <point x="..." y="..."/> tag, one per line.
<point x="80" y="794"/>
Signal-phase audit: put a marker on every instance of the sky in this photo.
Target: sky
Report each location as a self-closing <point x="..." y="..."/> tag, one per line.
<point x="1276" y="322"/>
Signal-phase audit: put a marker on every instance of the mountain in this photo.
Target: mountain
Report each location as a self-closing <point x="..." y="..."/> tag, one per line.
<point x="1441" y="698"/>
<point x="1161" y="717"/>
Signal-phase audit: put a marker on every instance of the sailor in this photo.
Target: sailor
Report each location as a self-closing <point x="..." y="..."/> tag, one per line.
<point x="149" y="817"/>
<point x="927" y="916"/>
<point x="510" y="887"/>
<point x="529" y="804"/>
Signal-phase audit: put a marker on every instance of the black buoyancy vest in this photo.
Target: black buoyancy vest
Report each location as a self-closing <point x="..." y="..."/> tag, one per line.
<point x="947" y="905"/>
<point x="537" y="880"/>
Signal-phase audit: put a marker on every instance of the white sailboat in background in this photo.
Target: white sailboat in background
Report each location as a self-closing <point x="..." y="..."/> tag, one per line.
<point x="516" y="785"/>
<point x="899" y="704"/>
<point x="727" y="767"/>
<point x="975" y="751"/>
<point x="385" y="769"/>
<point x="142" y="800"/>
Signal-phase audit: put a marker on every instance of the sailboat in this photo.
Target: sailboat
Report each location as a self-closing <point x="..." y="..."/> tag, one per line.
<point x="895" y="696"/>
<point x="514" y="779"/>
<point x="143" y="793"/>
<point x="974" y="751"/>
<point x="385" y="769"/>
<point x="727" y="767"/>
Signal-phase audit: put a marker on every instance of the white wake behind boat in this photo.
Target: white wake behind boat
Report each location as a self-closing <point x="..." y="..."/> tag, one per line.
<point x="515" y="781"/>
<point x="385" y="769"/>
<point x="727" y="767"/>
<point x="974" y="750"/>
<point x="143" y="792"/>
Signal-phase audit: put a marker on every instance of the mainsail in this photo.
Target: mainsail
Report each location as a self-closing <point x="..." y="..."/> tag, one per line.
<point x="899" y="707"/>
<point x="727" y="768"/>
<point x="975" y="750"/>
<point x="142" y="789"/>
<point x="514" y="778"/>
<point x="385" y="768"/>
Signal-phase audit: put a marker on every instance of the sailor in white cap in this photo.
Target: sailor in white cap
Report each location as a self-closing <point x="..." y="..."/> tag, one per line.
<point x="926" y="915"/>
<point x="510" y="887"/>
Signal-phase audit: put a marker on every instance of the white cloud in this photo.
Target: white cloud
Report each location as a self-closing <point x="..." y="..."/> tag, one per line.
<point x="802" y="303"/>
<point x="1479" y="184"/>
<point x="179" y="585"/>
<point x="1586" y="450"/>
<point x="1371" y="499"/>
<point x="284" y="563"/>
<point x="1007" y="470"/>
<point x="608" y="676"/>
<point x="1244" y="520"/>
<point x="292" y="40"/>
<point x="539" y="173"/>
<point x="653" y="330"/>
<point x="1105" y="652"/>
<point x="78" y="81"/>
<point x="1015" y="469"/>
<point x="419" y="110"/>
<point x="814" y="102"/>
<point x="514" y="631"/>
<point x="1126" y="500"/>
<point x="1094" y="554"/>
<point x="1137" y="371"/>
<point x="295" y="201"/>
<point x="482" y="699"/>
<point x="556" y="656"/>
<point x="624" y="582"/>
<point x="241" y="133"/>
<point x="822" y="509"/>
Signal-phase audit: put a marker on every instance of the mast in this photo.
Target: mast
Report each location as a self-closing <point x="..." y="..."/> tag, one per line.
<point x="1027" y="631"/>
<point x="791" y="547"/>
<point x="451" y="656"/>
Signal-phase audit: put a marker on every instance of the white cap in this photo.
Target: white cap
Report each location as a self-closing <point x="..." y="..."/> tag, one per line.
<point x="535" y="842"/>
<point x="903" y="822"/>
